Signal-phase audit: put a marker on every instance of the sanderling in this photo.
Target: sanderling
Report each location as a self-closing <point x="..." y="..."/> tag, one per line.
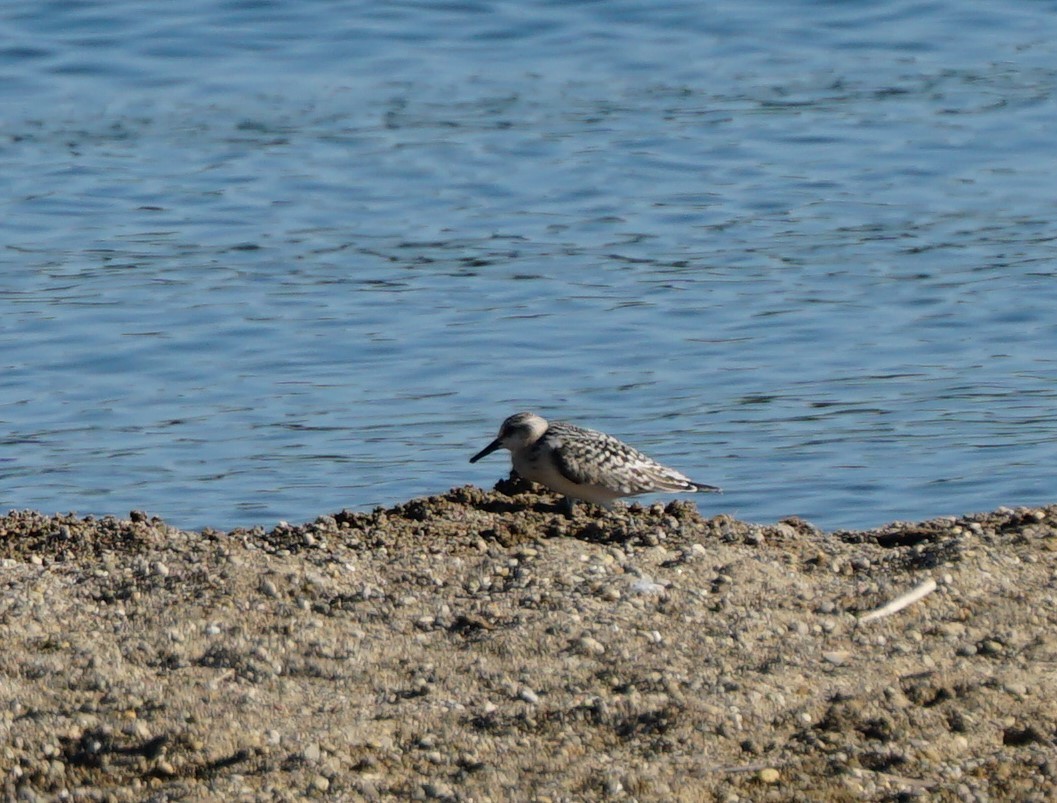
<point x="582" y="463"/>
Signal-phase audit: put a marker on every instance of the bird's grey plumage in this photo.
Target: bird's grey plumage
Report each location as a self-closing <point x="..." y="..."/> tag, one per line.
<point x="583" y="463"/>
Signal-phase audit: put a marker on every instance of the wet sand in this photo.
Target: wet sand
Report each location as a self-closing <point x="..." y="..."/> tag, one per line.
<point x="482" y="646"/>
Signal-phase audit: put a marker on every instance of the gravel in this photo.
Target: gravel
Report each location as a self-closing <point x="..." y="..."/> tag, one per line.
<point x="482" y="646"/>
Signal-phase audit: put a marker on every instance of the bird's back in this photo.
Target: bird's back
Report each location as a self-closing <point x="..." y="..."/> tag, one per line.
<point x="589" y="457"/>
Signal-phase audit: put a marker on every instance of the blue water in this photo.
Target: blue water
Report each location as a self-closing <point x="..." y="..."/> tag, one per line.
<point x="266" y="260"/>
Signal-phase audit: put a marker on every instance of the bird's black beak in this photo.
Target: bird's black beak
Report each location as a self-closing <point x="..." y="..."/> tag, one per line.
<point x="487" y="450"/>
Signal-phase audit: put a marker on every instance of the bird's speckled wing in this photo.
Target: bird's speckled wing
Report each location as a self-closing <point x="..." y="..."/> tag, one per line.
<point x="587" y="457"/>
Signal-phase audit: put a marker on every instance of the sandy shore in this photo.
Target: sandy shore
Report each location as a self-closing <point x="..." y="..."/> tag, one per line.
<point x="480" y="646"/>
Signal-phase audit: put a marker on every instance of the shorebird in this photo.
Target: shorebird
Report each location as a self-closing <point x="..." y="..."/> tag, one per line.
<point x="583" y="463"/>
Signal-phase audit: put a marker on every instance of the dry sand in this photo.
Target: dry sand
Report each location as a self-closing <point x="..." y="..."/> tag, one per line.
<point x="480" y="646"/>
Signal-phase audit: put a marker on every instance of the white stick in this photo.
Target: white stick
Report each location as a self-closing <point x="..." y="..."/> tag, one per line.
<point x="913" y="595"/>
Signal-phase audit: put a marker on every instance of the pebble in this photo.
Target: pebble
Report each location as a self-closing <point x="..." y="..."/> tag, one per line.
<point x="757" y="538"/>
<point x="437" y="790"/>
<point x="645" y="586"/>
<point x="590" y="646"/>
<point x="951" y="629"/>
<point x="799" y="627"/>
<point x="769" y="775"/>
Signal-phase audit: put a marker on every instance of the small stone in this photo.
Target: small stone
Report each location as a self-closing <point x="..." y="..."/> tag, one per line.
<point x="768" y="775"/>
<point x="320" y="783"/>
<point x="528" y="696"/>
<point x="645" y="586"/>
<point x="590" y="646"/>
<point x="268" y="588"/>
<point x="438" y="790"/>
